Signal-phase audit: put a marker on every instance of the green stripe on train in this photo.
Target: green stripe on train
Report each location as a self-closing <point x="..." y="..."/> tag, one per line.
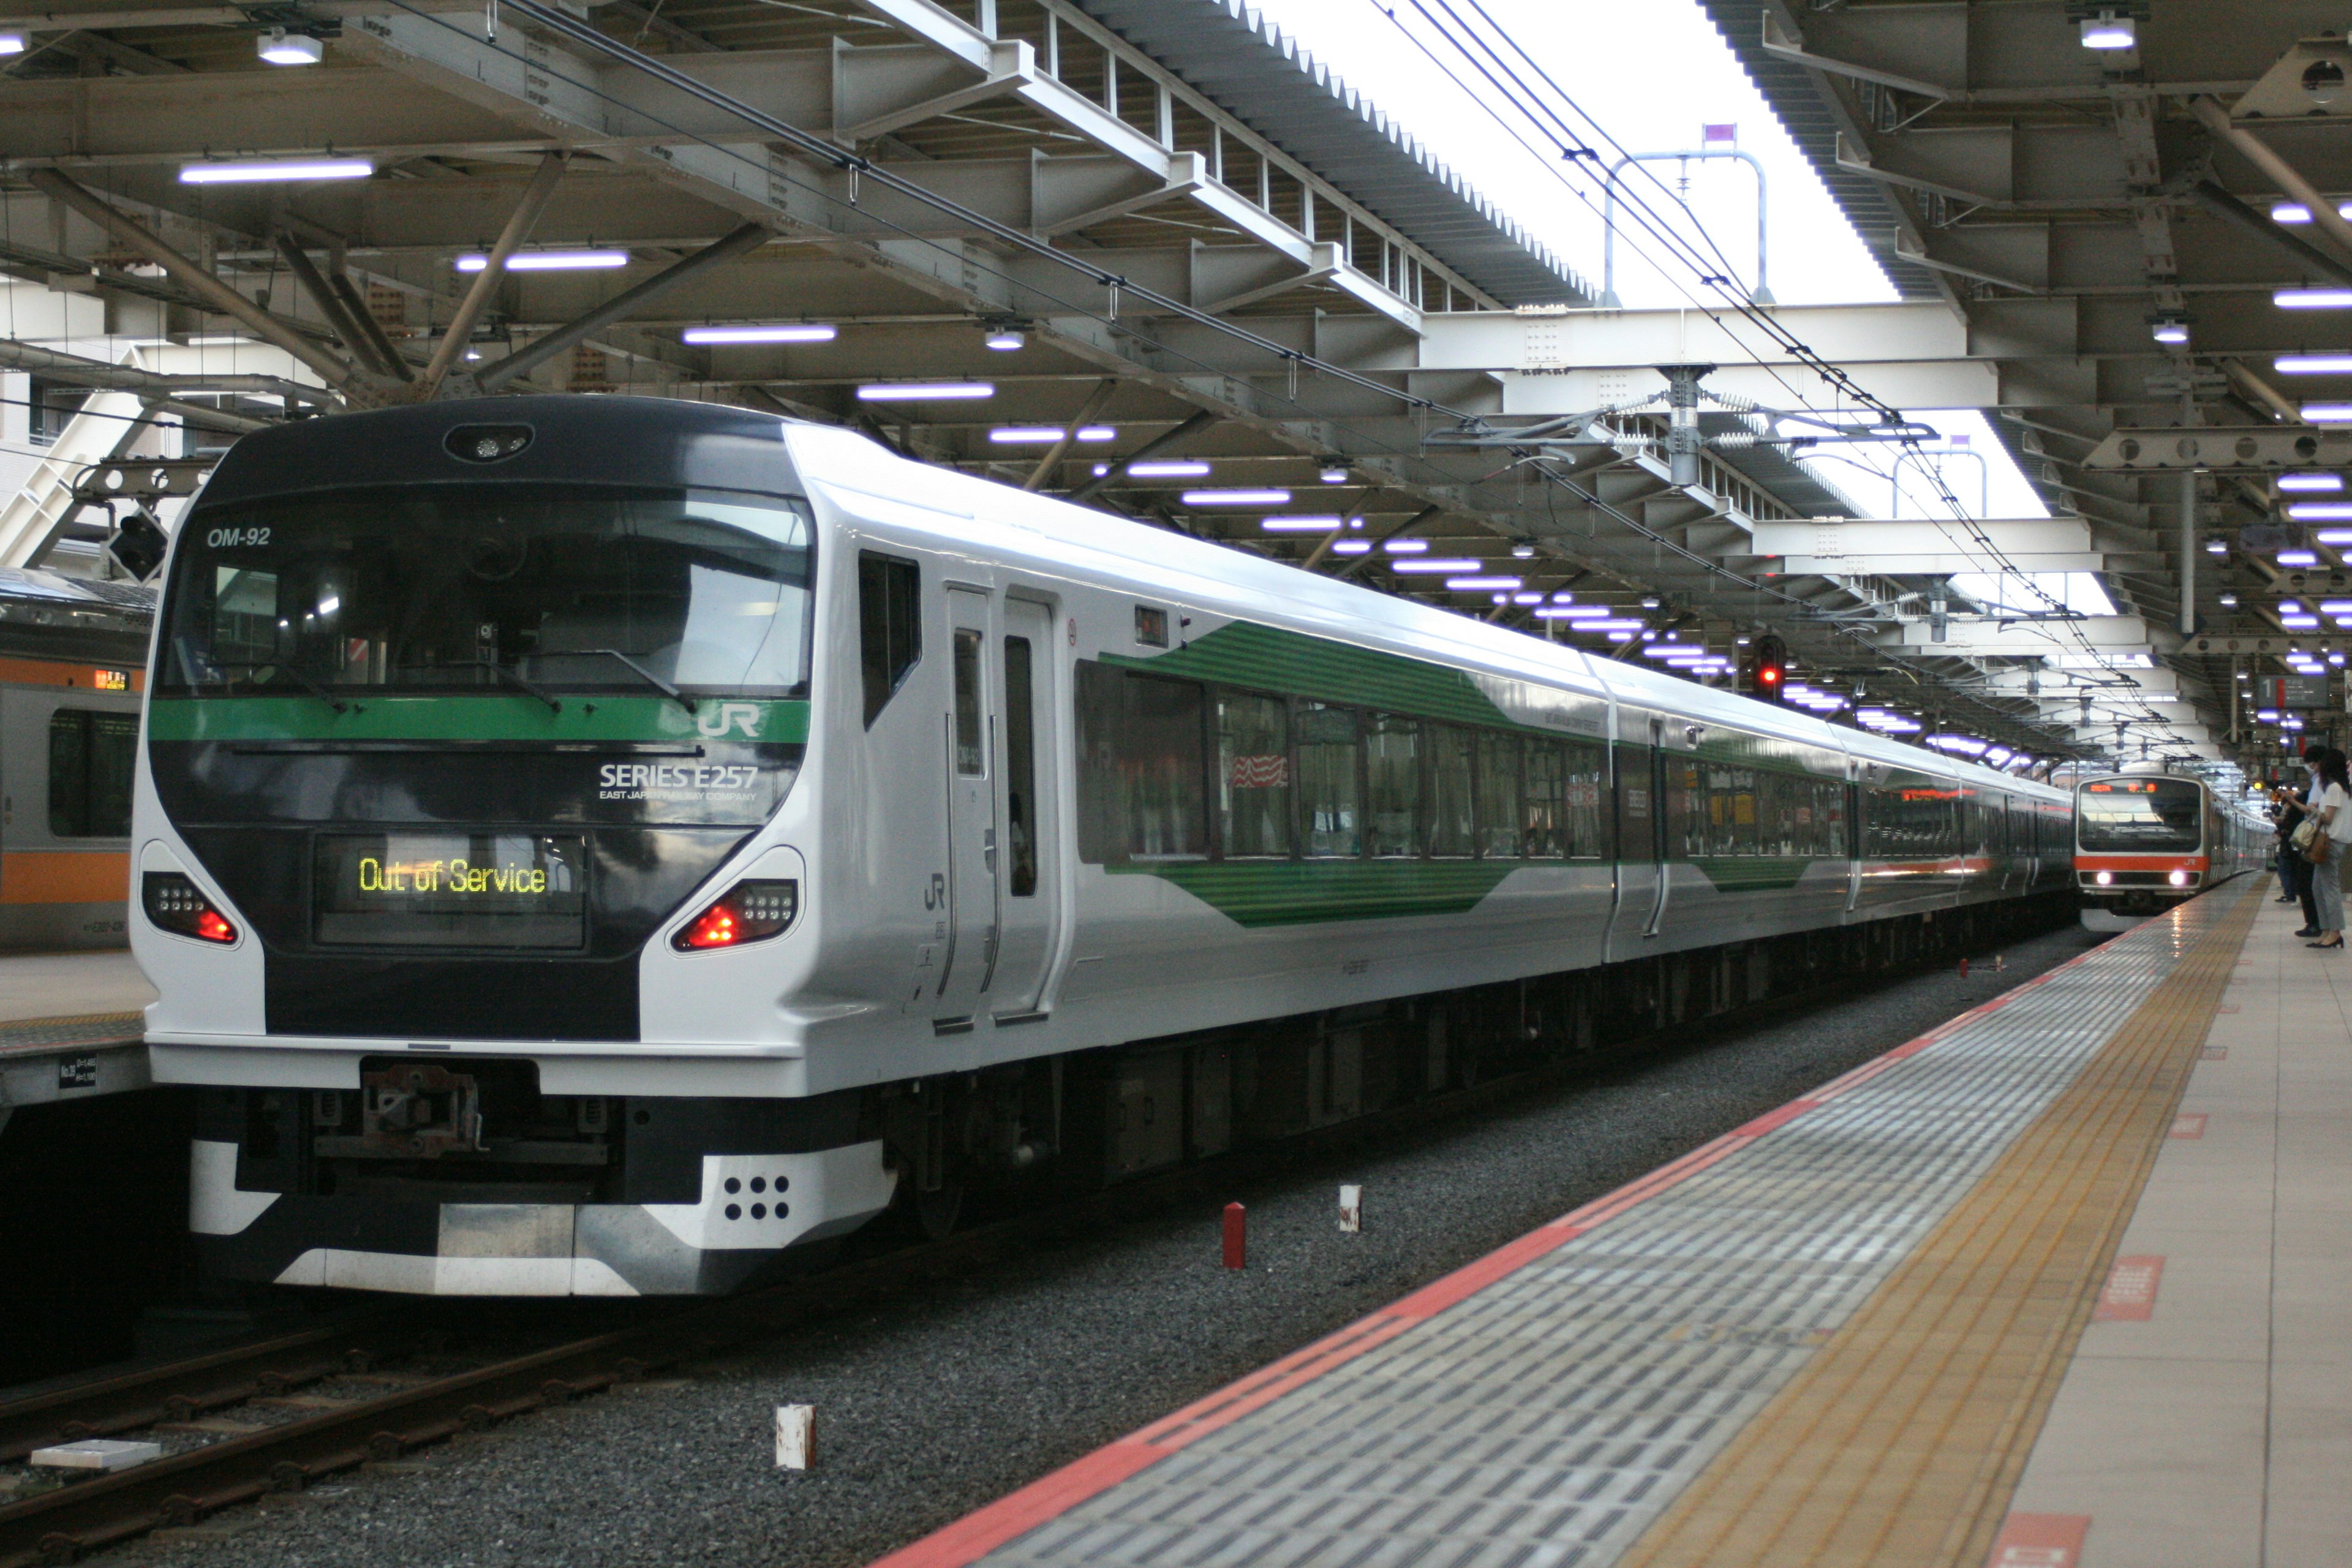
<point x="1298" y="892"/>
<point x="487" y="715"/>
<point x="1758" y="874"/>
<point x="1269" y="657"/>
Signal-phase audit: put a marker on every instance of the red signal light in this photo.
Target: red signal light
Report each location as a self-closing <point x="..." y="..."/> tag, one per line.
<point x="213" y="928"/>
<point x="749" y="911"/>
<point x="715" y="928"/>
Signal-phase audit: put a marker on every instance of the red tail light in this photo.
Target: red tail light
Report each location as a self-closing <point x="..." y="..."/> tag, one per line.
<point x="173" y="903"/>
<point x="750" y="911"/>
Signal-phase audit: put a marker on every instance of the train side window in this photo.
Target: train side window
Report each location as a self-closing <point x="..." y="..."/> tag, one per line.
<point x="1253" y="774"/>
<point x="890" y="625"/>
<point x="970" y="752"/>
<point x="92" y="757"/>
<point x="1686" y="809"/>
<point x="1392" y="814"/>
<point x="1327" y="790"/>
<point x="1500" y="811"/>
<point x="1141" y="784"/>
<point x="1588" y="788"/>
<point x="1453" y="825"/>
<point x="1550" y="831"/>
<point x="1020" y="768"/>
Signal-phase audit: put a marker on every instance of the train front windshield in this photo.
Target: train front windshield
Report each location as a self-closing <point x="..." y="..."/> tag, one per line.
<point x="436" y="587"/>
<point x="2141" y="816"/>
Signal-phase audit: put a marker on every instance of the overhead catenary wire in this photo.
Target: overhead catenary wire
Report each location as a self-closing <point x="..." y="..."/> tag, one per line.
<point x="1482" y="55"/>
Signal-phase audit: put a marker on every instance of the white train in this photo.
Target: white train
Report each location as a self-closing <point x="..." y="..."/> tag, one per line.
<point x="593" y="846"/>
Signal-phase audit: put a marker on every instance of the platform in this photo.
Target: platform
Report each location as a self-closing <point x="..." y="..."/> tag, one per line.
<point x="71" y="1027"/>
<point x="1996" y="1297"/>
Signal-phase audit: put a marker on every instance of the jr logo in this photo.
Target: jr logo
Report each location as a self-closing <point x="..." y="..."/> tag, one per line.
<point x="714" y="722"/>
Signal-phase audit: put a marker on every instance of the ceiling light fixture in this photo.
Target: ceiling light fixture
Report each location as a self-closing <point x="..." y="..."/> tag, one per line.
<point x="2313" y="484"/>
<point x="1333" y="471"/>
<point x="2313" y="298"/>
<point x="2297" y="558"/>
<point x="1004" y="340"/>
<point x="261" y="169"/>
<point x="280" y="47"/>
<point x="924" y="391"/>
<point x="1480" y="583"/>
<point x="2109" y="31"/>
<point x="1046" y="434"/>
<point x="2169" y="330"/>
<point x="2320" y="511"/>
<point x="1406" y="547"/>
<point x="1237" y="498"/>
<point x="770" y="332"/>
<point x="2329" y="413"/>
<point x="548" y="260"/>
<point x="2313" y="364"/>
<point x="1435" y="565"/>
<point x="1169" y="470"/>
<point x="1299" y="525"/>
<point x="13" y="41"/>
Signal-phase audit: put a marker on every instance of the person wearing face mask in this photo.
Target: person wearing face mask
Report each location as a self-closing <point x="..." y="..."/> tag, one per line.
<point x="2326" y="852"/>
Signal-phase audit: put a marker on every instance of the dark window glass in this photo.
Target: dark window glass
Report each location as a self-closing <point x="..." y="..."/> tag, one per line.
<point x="1253" y="773"/>
<point x="92" y="755"/>
<point x="1141" y="790"/>
<point x="1327" y="801"/>
<point x="2147" y="813"/>
<point x="1548" y="829"/>
<point x="1393" y="780"/>
<point x="437" y="587"/>
<point x="1686" y="809"/>
<point x="1020" y="768"/>
<point x="971" y="755"/>
<point x="1588" y="788"/>
<point x="1730" y="811"/>
<point x="1500" y="811"/>
<point x="890" y="625"/>
<point x="1453" y="821"/>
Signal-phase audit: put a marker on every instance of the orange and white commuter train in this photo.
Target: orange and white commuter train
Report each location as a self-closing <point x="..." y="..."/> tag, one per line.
<point x="73" y="657"/>
<point x="2144" y="841"/>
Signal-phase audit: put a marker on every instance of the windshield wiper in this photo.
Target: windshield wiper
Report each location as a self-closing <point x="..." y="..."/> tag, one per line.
<point x="314" y="688"/>
<point x="505" y="672"/>
<point x="647" y="675"/>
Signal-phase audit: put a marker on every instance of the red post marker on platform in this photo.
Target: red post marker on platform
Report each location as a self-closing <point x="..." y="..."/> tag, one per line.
<point x="1236" y="1236"/>
<point x="1964" y="969"/>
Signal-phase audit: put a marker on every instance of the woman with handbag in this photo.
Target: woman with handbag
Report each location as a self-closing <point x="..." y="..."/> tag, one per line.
<point x="2327" y="851"/>
<point x="2295" y="871"/>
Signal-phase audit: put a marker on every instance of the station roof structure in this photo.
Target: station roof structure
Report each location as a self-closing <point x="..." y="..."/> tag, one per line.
<point x="1157" y="229"/>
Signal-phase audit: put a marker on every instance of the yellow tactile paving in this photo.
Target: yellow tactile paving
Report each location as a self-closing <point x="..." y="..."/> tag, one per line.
<point x="1900" y="1443"/>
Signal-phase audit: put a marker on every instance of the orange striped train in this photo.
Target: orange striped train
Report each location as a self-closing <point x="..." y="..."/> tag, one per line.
<point x="2144" y="841"/>
<point x="72" y="664"/>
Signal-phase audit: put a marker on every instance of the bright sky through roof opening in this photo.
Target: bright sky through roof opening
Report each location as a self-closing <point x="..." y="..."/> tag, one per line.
<point x="1655" y="77"/>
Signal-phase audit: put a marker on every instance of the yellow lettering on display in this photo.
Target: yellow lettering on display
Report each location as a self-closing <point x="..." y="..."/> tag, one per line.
<point x="430" y="876"/>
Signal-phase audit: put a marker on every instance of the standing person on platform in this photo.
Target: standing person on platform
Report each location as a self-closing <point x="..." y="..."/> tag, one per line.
<point x="2335" y="833"/>
<point x="2295" y="871"/>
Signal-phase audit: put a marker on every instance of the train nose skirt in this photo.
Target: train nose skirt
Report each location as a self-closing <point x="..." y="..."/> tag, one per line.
<point x="752" y="1206"/>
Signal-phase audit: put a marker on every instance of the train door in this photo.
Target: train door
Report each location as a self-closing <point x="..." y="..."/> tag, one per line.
<point x="1641" y="830"/>
<point x="1027" y="811"/>
<point x="1853" y="840"/>
<point x="972" y="817"/>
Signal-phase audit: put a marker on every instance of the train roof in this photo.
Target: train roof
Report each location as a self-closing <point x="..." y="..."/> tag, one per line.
<point x="1245" y="586"/>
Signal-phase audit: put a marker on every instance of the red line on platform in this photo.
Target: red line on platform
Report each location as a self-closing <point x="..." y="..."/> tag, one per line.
<point x="977" y="1534"/>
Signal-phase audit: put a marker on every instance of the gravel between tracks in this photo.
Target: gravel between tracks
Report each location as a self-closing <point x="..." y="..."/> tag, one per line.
<point x="951" y="1395"/>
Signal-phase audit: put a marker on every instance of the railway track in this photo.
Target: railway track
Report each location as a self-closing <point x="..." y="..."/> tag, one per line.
<point x="326" y="1437"/>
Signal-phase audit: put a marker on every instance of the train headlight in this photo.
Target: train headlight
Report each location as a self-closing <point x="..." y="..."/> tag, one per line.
<point x="2179" y="879"/>
<point x="750" y="911"/>
<point x="2103" y="878"/>
<point x="173" y="903"/>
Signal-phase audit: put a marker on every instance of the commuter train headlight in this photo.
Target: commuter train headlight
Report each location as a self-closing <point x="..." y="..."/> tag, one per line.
<point x="173" y="903"/>
<point x="749" y="912"/>
<point x="2103" y="879"/>
<point x="2179" y="879"/>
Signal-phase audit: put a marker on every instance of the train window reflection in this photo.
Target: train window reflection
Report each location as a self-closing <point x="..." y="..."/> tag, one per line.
<point x="92" y="756"/>
<point x="470" y="586"/>
<point x="2136" y="814"/>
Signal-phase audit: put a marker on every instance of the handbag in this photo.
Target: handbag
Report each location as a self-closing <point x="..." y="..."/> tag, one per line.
<point x="2320" y="850"/>
<point x="2305" y="833"/>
